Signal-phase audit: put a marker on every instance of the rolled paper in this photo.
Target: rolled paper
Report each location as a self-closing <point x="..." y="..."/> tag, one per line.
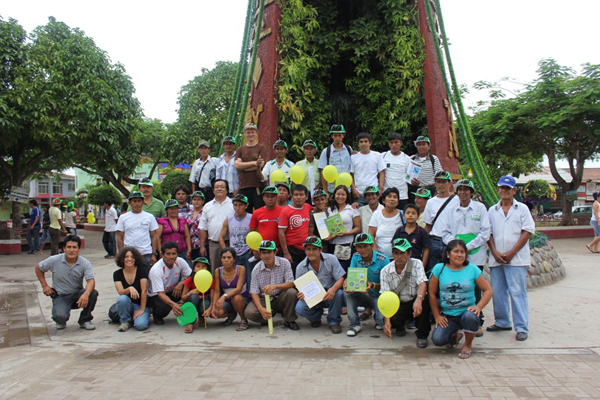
<point x="270" y="321"/>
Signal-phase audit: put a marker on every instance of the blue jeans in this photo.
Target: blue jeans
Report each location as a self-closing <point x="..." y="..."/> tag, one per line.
<point x="510" y="281"/>
<point x="126" y="308"/>
<point x="334" y="317"/>
<point x="64" y="303"/>
<point x="45" y="235"/>
<point x="197" y="302"/>
<point x="33" y="239"/>
<point x="368" y="300"/>
<point x="436" y="252"/>
<point x="71" y="231"/>
<point x="468" y="322"/>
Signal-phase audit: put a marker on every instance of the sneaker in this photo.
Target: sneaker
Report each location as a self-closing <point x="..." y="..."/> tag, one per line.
<point x="124" y="327"/>
<point x="88" y="326"/>
<point x="422" y="343"/>
<point x="401" y="331"/>
<point x="60" y="326"/>
<point x="353" y="331"/>
<point x="325" y="311"/>
<point x="335" y="328"/>
<point x="411" y="325"/>
<point x="379" y="327"/>
<point x="479" y="332"/>
<point x="360" y="309"/>
<point x="521" y="336"/>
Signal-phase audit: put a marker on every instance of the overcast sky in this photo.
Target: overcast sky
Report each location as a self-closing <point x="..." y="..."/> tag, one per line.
<point x="164" y="45"/>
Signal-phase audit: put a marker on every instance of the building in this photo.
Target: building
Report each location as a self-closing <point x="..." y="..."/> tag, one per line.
<point x="55" y="185"/>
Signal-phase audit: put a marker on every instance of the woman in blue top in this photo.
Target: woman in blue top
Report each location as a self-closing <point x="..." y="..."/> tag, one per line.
<point x="456" y="279"/>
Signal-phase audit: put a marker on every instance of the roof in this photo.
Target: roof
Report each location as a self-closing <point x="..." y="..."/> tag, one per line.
<point x="590" y="174"/>
<point x="543" y="174"/>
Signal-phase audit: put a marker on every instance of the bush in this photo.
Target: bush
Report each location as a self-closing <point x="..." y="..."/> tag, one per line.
<point x="98" y="195"/>
<point x="171" y="181"/>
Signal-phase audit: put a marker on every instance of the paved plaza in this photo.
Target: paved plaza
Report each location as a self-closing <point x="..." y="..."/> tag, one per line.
<point x="561" y="358"/>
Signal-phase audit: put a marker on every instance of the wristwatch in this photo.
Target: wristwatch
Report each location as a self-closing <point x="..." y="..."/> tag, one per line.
<point x="225" y="294"/>
<point x="421" y="296"/>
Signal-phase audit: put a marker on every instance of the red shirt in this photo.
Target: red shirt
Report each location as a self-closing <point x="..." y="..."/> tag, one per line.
<point x="296" y="221"/>
<point x="266" y="222"/>
<point x="189" y="283"/>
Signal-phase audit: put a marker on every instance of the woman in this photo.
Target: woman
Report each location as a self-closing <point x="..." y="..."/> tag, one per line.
<point x="341" y="243"/>
<point x="181" y="195"/>
<point x="172" y="228"/>
<point x="384" y="222"/>
<point x="71" y="219"/>
<point x="455" y="279"/>
<point x="192" y="220"/>
<point x="230" y="294"/>
<point x="421" y="197"/>
<point x="593" y="246"/>
<point x="319" y="198"/>
<point x="132" y="285"/>
<point x="45" y="228"/>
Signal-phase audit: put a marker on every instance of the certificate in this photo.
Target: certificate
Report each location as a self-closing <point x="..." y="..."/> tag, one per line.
<point x="320" y="218"/>
<point x="311" y="287"/>
<point x="414" y="169"/>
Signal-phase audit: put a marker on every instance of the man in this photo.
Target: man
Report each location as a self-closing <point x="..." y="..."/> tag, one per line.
<point x="247" y="164"/>
<point x="331" y="275"/>
<point x="397" y="165"/>
<point x="283" y="194"/>
<point x="310" y="165"/>
<point x="33" y="229"/>
<point x="337" y="154"/>
<point x="226" y="166"/>
<point x="430" y="165"/>
<point x="165" y="283"/>
<point x="435" y="208"/>
<point x="293" y="226"/>
<point x="265" y="169"/>
<point x="512" y="226"/>
<point x="211" y="223"/>
<point x="405" y="277"/>
<point x="235" y="229"/>
<point x="181" y="193"/>
<point x="203" y="171"/>
<point x="139" y="229"/>
<point x="273" y="276"/>
<point x="110" y="228"/>
<point x="56" y="226"/>
<point x="371" y="196"/>
<point x="367" y="168"/>
<point x="470" y="218"/>
<point x="69" y="270"/>
<point x="150" y="204"/>
<point x="365" y="257"/>
<point x="265" y="220"/>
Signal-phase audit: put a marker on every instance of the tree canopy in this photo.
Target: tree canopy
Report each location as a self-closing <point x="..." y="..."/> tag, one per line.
<point x="558" y="115"/>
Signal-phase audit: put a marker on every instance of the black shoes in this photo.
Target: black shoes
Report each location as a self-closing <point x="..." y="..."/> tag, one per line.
<point x="291" y="325"/>
<point x="496" y="328"/>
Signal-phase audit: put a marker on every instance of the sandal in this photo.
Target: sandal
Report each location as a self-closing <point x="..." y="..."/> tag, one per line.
<point x="229" y="320"/>
<point x="463" y="355"/>
<point x="243" y="325"/>
<point x="457" y="339"/>
<point x="189" y="328"/>
<point x="364" y="316"/>
<point x="588" y="247"/>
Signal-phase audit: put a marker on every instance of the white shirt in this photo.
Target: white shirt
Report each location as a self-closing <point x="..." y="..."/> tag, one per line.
<point x="386" y="227"/>
<point x="396" y="168"/>
<point x="366" y="168"/>
<point x="272" y="165"/>
<point x="471" y="219"/>
<point x="213" y="215"/>
<point x="136" y="228"/>
<point x="347" y="215"/>
<point x="431" y="209"/>
<point x="211" y="166"/>
<point x="110" y="220"/>
<point x="365" y="216"/>
<point x="506" y="231"/>
<point x="163" y="279"/>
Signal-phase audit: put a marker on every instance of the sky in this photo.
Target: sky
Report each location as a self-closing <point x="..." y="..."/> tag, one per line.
<point x="165" y="45"/>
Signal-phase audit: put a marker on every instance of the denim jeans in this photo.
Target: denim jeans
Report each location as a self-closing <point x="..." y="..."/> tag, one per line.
<point x="126" y="308"/>
<point x="468" y="322"/>
<point x="33" y="239"/>
<point x="200" y="305"/>
<point x="510" y="281"/>
<point x="367" y="300"/>
<point x="64" y="303"/>
<point x="334" y="317"/>
<point x="109" y="243"/>
<point x="45" y="235"/>
<point x="436" y="252"/>
<point x="71" y="231"/>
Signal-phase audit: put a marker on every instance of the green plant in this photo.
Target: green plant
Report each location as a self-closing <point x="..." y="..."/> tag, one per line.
<point x="172" y="180"/>
<point x="538" y="239"/>
<point x="99" y="194"/>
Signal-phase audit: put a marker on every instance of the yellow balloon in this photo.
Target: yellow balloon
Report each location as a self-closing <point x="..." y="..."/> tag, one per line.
<point x="278" y="176"/>
<point x="92" y="221"/>
<point x="330" y="173"/>
<point x="344" y="179"/>
<point x="297" y="174"/>
<point x="203" y="280"/>
<point x="253" y="240"/>
<point x="388" y="304"/>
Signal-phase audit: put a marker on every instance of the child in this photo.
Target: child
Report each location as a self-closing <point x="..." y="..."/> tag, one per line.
<point x="320" y="200"/>
<point x="416" y="235"/>
<point x="200" y="300"/>
<point x="368" y="168"/>
<point x="283" y="194"/>
<point x="235" y="229"/>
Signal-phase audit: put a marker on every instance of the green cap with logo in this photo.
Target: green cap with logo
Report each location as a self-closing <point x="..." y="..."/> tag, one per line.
<point x="171" y="203"/>
<point x="371" y="189"/>
<point x="136" y="194"/>
<point x="267" y="245"/>
<point x="422" y="139"/>
<point x="309" y="143"/>
<point x="314" y="241"/>
<point x="443" y="175"/>
<point x="337" y="128"/>
<point x="229" y="139"/>
<point x="363" y="238"/>
<point x="466" y="183"/>
<point x="270" y="189"/>
<point x="202" y="260"/>
<point x="240" y="197"/>
<point x="145" y="181"/>
<point x="250" y="125"/>
<point x="422" y="192"/>
<point x="319" y="192"/>
<point x="280" y="143"/>
<point x="402" y="244"/>
<point x="198" y="193"/>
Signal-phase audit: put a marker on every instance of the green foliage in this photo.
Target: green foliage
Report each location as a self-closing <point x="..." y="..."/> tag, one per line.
<point x="538" y="239"/>
<point x="359" y="65"/>
<point x="538" y="190"/>
<point x="203" y="107"/>
<point x="172" y="180"/>
<point x="99" y="194"/>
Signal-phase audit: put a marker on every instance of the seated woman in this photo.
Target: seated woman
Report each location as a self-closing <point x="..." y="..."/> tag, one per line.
<point x="230" y="287"/>
<point x="455" y="279"/>
<point x="190" y="293"/>
<point x="173" y="228"/>
<point x="131" y="283"/>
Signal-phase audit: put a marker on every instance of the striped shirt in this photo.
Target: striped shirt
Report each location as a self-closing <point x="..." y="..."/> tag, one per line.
<point x="390" y="279"/>
<point x="263" y="276"/>
<point x="226" y="170"/>
<point x="427" y="174"/>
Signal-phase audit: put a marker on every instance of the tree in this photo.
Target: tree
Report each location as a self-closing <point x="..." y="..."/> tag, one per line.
<point x="172" y="180"/>
<point x="557" y="115"/>
<point x="99" y="194"/>
<point x="203" y="107"/>
<point x="62" y="103"/>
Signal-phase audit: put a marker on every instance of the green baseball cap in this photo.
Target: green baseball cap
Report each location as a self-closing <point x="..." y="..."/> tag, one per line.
<point x="280" y="143"/>
<point x="319" y="192"/>
<point x="363" y="238"/>
<point x="267" y="245"/>
<point x="314" y="241"/>
<point x="203" y="260"/>
<point x="422" y="192"/>
<point x="371" y="189"/>
<point x="171" y="203"/>
<point x="337" y="128"/>
<point x="443" y="175"/>
<point x="422" y="139"/>
<point x="229" y="139"/>
<point x="402" y="244"/>
<point x="241" y="198"/>
<point x="145" y="181"/>
<point x="309" y="143"/>
<point x="270" y="189"/>
<point x="250" y="125"/>
<point x="466" y="183"/>
<point x="198" y="193"/>
<point x="135" y="195"/>
<point x="284" y="184"/>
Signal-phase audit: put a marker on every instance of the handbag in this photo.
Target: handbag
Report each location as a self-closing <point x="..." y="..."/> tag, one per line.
<point x="342" y="252"/>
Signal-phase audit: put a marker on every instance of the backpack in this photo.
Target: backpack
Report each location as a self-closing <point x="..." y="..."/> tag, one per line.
<point x="329" y="151"/>
<point x="431" y="158"/>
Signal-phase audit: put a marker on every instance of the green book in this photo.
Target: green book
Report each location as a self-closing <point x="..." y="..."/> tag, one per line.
<point x="357" y="280"/>
<point x="335" y="224"/>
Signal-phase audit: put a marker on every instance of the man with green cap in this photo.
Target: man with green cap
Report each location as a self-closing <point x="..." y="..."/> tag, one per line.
<point x="56" y="226"/>
<point x="226" y="165"/>
<point x="265" y="169"/>
<point x="337" y="154"/>
<point x="150" y="203"/>
<point x="71" y="219"/>
<point x="429" y="163"/>
<point x="310" y="165"/>
<point x="406" y="277"/>
<point x="204" y="171"/>
<point x="235" y="229"/>
<point x="366" y="212"/>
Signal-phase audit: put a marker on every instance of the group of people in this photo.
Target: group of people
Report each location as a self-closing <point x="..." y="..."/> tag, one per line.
<point x="55" y="220"/>
<point x="429" y="250"/>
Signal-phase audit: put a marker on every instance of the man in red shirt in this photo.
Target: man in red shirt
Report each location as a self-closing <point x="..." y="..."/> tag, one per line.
<point x="293" y="226"/>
